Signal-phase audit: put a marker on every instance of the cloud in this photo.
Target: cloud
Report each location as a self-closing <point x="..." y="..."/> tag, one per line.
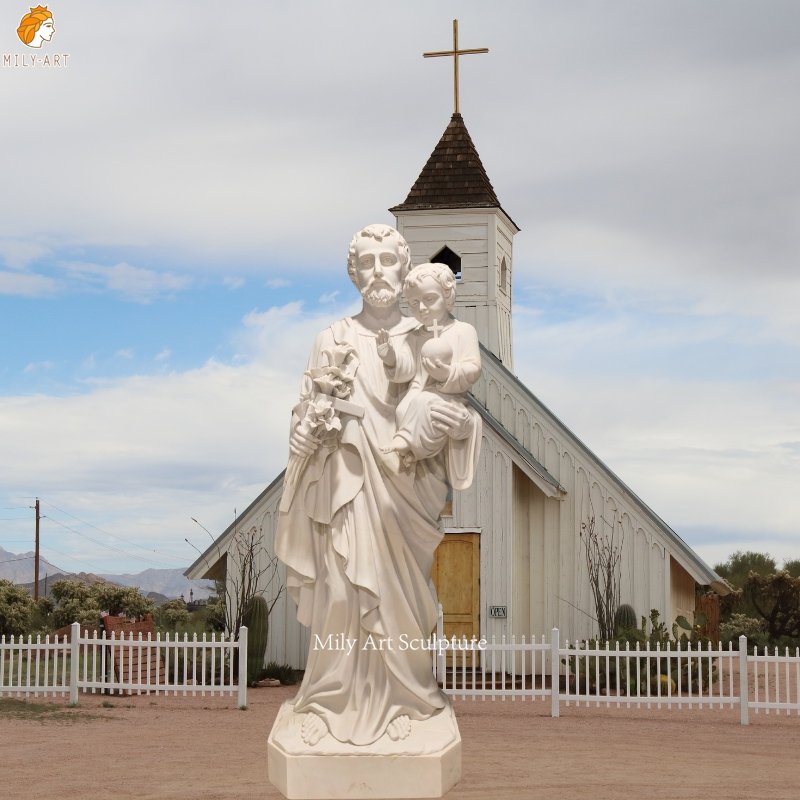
<point x="233" y="282"/>
<point x="140" y="455"/>
<point x="126" y="354"/>
<point x="163" y="355"/>
<point x="24" y="285"/>
<point x="39" y="366"/>
<point x="698" y="441"/>
<point x="17" y="253"/>
<point x="131" y="283"/>
<point x="285" y="332"/>
<point x="277" y="283"/>
<point x="328" y="297"/>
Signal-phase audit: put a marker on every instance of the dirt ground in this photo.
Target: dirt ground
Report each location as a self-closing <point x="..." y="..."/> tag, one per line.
<point x="159" y="748"/>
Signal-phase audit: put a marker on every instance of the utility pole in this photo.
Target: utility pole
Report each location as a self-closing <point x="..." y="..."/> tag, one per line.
<point x="36" y="556"/>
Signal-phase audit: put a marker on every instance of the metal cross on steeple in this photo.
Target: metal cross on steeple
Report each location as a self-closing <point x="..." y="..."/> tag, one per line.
<point x="455" y="52"/>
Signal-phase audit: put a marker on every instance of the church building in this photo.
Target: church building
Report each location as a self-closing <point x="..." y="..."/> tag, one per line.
<point x="512" y="558"/>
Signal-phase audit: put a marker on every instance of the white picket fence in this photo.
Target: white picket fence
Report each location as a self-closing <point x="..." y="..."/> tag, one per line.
<point x="120" y="664"/>
<point x="683" y="676"/>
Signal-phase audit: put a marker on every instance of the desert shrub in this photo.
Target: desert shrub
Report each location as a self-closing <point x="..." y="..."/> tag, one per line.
<point x="171" y="616"/>
<point x="601" y="674"/>
<point x="742" y="624"/>
<point x="16" y="609"/>
<point x="214" y="611"/>
<point x="286" y="674"/>
<point x="76" y="601"/>
<point x="776" y="599"/>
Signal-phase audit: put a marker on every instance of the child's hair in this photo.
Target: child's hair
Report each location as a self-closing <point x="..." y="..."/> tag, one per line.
<point x="441" y="273"/>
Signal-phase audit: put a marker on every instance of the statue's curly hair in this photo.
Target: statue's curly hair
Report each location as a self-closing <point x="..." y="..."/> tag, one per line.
<point x="441" y="273"/>
<point x="379" y="232"/>
<point x="31" y="23"/>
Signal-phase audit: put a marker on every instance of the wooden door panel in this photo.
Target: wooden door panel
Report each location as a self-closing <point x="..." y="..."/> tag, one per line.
<point x="456" y="575"/>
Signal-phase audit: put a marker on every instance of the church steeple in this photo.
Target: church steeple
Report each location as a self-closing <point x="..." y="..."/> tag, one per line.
<point x="454" y="176"/>
<point x="452" y="215"/>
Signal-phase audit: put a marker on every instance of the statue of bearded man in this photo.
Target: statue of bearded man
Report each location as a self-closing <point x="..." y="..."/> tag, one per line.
<point x="357" y="531"/>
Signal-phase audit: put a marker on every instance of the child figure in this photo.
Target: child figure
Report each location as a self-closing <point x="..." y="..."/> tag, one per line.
<point x="441" y="359"/>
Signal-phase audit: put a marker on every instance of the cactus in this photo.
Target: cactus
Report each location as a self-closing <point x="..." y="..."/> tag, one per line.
<point x="624" y="619"/>
<point x="256" y="618"/>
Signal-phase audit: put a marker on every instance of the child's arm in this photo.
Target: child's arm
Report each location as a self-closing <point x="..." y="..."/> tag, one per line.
<point x="465" y="368"/>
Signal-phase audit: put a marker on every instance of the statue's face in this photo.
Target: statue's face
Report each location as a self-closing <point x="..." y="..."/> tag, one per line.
<point x="47" y="29"/>
<point x="426" y="300"/>
<point x="378" y="271"/>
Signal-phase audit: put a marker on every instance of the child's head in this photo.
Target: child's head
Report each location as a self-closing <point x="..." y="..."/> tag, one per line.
<point x="430" y="291"/>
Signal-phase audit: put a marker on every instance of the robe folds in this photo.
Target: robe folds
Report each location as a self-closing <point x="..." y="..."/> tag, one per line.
<point x="358" y="540"/>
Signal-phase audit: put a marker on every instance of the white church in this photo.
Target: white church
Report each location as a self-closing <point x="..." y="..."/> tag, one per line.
<point x="512" y="558"/>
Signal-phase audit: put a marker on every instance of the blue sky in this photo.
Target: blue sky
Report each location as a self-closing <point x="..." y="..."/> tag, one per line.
<point x="177" y="203"/>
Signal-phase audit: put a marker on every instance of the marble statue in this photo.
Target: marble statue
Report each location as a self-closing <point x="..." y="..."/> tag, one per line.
<point x="441" y="361"/>
<point x="359" y="519"/>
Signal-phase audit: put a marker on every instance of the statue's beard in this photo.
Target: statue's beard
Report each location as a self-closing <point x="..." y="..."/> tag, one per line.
<point x="381" y="295"/>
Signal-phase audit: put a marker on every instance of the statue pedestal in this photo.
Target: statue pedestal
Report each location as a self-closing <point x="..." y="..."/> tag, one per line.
<point x="425" y="764"/>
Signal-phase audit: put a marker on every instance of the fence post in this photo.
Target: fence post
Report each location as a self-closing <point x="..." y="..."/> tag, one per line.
<point x="242" y="702"/>
<point x="555" y="671"/>
<point x="744" y="686"/>
<point x="441" y="666"/>
<point x="74" y="651"/>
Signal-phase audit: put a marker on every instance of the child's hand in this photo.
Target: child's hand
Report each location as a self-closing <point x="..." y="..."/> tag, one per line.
<point x="385" y="349"/>
<point x="436" y="368"/>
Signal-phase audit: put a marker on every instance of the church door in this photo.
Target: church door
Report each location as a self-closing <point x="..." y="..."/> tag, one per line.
<point x="456" y="575"/>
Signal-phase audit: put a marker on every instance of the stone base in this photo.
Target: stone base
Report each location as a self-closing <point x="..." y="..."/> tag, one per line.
<point x="426" y="764"/>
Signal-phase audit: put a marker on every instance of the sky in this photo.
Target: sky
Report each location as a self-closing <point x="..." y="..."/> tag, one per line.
<point x="176" y="205"/>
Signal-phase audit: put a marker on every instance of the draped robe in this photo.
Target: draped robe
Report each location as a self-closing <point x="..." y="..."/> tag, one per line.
<point x="358" y="540"/>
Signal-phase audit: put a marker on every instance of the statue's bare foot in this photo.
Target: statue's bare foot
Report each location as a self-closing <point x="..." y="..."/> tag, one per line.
<point x="399" y="728"/>
<point x="312" y="729"/>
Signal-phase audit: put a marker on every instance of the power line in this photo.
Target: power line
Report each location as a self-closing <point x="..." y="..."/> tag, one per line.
<point x="93" y="567"/>
<point x="102" y="544"/>
<point x="113" y="536"/>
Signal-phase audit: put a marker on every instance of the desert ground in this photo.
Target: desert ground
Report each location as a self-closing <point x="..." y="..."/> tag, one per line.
<point x="170" y="748"/>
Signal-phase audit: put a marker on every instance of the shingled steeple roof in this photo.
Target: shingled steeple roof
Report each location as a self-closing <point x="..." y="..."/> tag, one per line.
<point x="454" y="176"/>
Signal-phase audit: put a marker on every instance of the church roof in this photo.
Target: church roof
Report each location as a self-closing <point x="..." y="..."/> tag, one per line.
<point x="454" y="176"/>
<point x="697" y="568"/>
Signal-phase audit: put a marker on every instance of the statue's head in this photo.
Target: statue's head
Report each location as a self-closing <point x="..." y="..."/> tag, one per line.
<point x="440" y="274"/>
<point x="377" y="262"/>
<point x="36" y="26"/>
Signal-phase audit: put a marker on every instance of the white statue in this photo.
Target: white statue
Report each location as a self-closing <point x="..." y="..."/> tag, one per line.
<point x="357" y="530"/>
<point x="442" y="361"/>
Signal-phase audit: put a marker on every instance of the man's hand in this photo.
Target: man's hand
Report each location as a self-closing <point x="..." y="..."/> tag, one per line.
<point x="302" y="442"/>
<point x="456" y="423"/>
<point x="385" y="349"/>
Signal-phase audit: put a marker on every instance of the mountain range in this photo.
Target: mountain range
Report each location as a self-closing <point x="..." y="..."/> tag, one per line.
<point x="18" y="568"/>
